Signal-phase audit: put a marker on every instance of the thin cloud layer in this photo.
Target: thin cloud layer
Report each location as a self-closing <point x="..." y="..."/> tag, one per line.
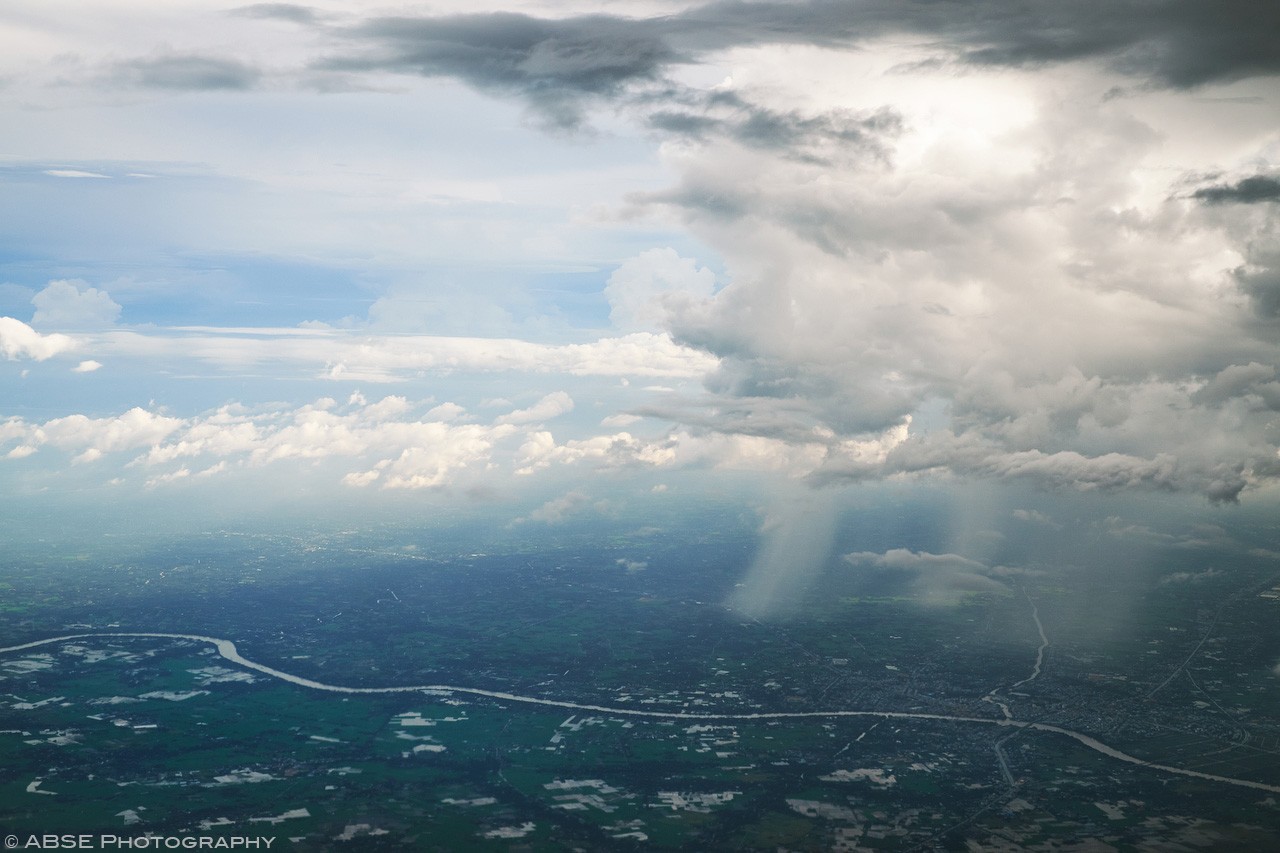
<point x="281" y="11"/>
<point x="188" y="73"/>
<point x="341" y="355"/>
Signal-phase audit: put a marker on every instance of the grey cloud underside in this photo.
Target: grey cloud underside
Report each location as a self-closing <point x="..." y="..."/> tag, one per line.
<point x="553" y="64"/>
<point x="1239" y="380"/>
<point x="969" y="455"/>
<point x="789" y="420"/>
<point x="1181" y="44"/>
<point x="849" y="403"/>
<point x="1259" y="279"/>
<point x="726" y="115"/>
<point x="560" y="65"/>
<point x="1252" y="190"/>
<point x="1263" y="287"/>
<point x="188" y="73"/>
<point x="557" y="63"/>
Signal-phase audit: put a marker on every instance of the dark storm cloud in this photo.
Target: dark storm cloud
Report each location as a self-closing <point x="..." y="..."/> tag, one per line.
<point x="1252" y="190"/>
<point x="553" y="64"/>
<point x="556" y="64"/>
<point x="1238" y="380"/>
<point x="1177" y="43"/>
<point x="686" y="124"/>
<point x="188" y="73"/>
<point x="768" y="129"/>
<point x="1262" y="285"/>
<point x="727" y="115"/>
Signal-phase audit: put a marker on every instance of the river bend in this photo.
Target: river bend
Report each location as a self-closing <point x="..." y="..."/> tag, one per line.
<point x="227" y="649"/>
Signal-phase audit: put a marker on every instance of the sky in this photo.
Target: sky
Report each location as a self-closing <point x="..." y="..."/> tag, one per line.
<point x="566" y="253"/>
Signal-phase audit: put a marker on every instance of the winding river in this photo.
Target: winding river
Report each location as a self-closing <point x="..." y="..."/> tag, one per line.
<point x="227" y="649"/>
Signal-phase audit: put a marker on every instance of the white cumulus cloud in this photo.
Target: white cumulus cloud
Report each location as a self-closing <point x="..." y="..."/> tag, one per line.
<point x="644" y="289"/>
<point x="73" y="304"/>
<point x="18" y="340"/>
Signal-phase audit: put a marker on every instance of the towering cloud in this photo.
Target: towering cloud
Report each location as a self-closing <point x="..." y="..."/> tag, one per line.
<point x="890" y="240"/>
